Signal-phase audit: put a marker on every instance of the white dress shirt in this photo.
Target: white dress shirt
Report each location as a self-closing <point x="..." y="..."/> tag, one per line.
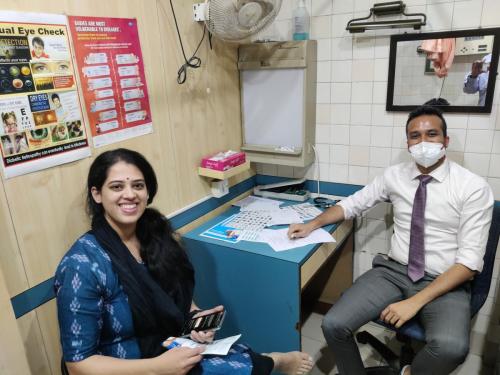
<point x="458" y="213"/>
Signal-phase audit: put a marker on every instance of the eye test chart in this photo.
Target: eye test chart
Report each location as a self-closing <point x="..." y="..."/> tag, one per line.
<point x="111" y="71"/>
<point x="41" y="123"/>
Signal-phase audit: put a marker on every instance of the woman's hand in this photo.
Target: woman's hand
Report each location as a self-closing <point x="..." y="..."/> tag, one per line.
<point x="205" y="336"/>
<point x="178" y="361"/>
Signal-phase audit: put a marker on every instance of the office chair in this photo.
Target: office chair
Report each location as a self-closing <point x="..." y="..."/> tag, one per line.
<point x="412" y="330"/>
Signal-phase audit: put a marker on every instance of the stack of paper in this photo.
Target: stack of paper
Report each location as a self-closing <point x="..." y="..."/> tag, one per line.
<point x="252" y="203"/>
<point x="307" y="211"/>
<point x="284" y="216"/>
<point x="279" y="241"/>
<point x="217" y="347"/>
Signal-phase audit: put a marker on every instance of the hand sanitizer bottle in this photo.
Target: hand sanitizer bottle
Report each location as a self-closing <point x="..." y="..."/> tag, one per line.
<point x="300" y="21"/>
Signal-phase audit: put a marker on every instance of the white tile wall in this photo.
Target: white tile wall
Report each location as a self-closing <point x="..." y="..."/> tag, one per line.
<point x="361" y="115"/>
<point x="359" y="155"/>
<point x="361" y="92"/>
<point x="341" y="48"/>
<point x="357" y="138"/>
<point x="340" y="114"/>
<point x="479" y="141"/>
<point x="381" y="136"/>
<point x="477" y="163"/>
<point x="339" y="154"/>
<point x="491" y="10"/>
<point x="321" y="7"/>
<point x="360" y="135"/>
<point x="323" y="113"/>
<point x="340" y="135"/>
<point x="341" y="92"/>
<point x="341" y="70"/>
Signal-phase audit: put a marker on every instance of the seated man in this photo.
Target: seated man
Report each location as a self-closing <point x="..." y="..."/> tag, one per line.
<point x="442" y="215"/>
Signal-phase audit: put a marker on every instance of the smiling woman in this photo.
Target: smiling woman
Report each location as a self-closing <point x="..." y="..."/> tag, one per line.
<point x="127" y="285"/>
<point x="123" y="197"/>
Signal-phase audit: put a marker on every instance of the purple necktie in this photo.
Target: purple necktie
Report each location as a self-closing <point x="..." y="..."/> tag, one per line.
<point x="416" y="257"/>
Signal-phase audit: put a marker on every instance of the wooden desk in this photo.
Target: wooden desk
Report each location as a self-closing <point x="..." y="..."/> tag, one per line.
<point x="261" y="288"/>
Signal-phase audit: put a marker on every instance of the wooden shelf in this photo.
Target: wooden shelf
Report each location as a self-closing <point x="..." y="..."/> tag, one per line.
<point x="224" y="175"/>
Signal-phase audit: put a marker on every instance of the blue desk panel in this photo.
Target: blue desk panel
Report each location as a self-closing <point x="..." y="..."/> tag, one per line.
<point x="259" y="287"/>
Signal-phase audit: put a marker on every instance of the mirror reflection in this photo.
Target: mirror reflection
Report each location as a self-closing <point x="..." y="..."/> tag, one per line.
<point x="449" y="70"/>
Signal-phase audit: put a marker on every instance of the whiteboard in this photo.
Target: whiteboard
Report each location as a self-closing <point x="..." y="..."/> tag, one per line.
<point x="273" y="107"/>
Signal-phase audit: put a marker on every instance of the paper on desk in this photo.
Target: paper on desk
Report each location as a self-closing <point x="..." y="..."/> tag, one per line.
<point x="253" y="203"/>
<point x="306" y="210"/>
<point x="284" y="216"/>
<point x="279" y="241"/>
<point x="217" y="347"/>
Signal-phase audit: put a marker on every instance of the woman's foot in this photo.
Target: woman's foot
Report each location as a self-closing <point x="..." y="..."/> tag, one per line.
<point x="292" y="363"/>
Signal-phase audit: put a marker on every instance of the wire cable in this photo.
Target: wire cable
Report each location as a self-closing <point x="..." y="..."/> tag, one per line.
<point x="316" y="160"/>
<point x="194" y="61"/>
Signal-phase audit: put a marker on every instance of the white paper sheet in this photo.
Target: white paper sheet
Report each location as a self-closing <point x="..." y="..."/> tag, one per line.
<point x="279" y="241"/>
<point x="217" y="347"/>
<point x="253" y="203"/>
<point x="307" y="211"/>
<point x="284" y="216"/>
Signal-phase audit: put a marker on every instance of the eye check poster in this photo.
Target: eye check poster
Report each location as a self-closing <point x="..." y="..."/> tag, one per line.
<point x="41" y="118"/>
<point x="111" y="70"/>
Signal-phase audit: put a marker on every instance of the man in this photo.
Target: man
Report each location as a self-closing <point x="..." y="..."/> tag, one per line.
<point x="430" y="262"/>
<point x="477" y="79"/>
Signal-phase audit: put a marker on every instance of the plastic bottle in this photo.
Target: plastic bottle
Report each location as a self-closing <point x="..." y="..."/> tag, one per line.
<point x="300" y="21"/>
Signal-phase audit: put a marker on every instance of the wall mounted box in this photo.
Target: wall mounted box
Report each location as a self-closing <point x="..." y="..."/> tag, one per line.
<point x="278" y="101"/>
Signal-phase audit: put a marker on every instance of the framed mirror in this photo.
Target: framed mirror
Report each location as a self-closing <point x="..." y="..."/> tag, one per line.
<point x="456" y="70"/>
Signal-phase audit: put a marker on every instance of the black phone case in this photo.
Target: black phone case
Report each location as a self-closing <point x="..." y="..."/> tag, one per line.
<point x="204" y="323"/>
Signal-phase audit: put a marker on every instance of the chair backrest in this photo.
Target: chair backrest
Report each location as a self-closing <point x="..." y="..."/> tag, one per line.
<point x="481" y="283"/>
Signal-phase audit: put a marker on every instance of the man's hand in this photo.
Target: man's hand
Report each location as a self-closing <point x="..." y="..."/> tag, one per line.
<point x="399" y="313"/>
<point x="299" y="230"/>
<point x="205" y="336"/>
<point x="477" y="68"/>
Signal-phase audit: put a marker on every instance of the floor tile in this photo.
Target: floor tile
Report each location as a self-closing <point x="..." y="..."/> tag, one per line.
<point x="312" y="327"/>
<point x="314" y="343"/>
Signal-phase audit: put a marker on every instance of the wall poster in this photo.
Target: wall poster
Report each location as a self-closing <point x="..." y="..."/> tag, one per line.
<point x="41" y="119"/>
<point x="111" y="70"/>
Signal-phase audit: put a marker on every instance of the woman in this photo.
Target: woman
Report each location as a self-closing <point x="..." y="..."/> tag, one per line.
<point x="127" y="285"/>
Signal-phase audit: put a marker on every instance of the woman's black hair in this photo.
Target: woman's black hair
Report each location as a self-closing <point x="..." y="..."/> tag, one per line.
<point x="166" y="260"/>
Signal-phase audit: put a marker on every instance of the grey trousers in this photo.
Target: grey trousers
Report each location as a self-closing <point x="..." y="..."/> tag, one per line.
<point x="446" y="319"/>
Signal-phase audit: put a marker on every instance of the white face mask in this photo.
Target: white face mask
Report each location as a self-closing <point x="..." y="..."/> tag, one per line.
<point x="427" y="154"/>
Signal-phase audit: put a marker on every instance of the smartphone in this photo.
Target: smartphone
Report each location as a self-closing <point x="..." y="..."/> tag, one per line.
<point x="209" y="322"/>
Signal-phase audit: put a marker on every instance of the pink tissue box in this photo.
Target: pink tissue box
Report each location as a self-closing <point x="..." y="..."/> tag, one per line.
<point x="223" y="160"/>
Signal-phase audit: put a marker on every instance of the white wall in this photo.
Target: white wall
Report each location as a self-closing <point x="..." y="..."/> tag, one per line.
<point x="356" y="138"/>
